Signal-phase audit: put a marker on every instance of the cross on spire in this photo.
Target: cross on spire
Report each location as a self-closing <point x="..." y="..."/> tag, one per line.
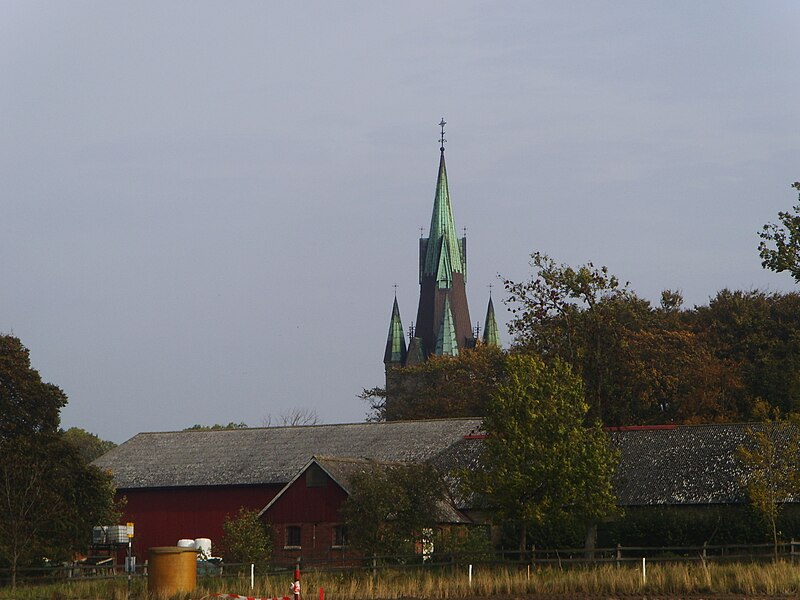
<point x="442" y="139"/>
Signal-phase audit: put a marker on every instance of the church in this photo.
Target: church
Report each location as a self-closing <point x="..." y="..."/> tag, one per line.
<point x="185" y="484"/>
<point x="443" y="326"/>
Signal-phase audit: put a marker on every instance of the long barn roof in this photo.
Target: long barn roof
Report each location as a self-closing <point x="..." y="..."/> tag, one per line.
<point x="676" y="465"/>
<point x="271" y="455"/>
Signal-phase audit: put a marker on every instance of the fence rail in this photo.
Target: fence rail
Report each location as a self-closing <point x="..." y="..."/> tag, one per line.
<point x="617" y="555"/>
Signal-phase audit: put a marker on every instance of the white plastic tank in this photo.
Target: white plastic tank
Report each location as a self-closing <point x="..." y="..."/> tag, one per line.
<point x="203" y="547"/>
<point x="186" y="543"/>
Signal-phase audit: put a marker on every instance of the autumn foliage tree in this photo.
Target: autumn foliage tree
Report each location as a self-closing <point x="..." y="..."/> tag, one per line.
<point x="640" y="364"/>
<point x="440" y="387"/>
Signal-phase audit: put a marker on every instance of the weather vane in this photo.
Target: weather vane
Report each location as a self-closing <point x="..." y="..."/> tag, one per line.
<point x="442" y="139"/>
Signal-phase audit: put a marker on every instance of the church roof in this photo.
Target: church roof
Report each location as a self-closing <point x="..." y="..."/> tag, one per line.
<point x="491" y="333"/>
<point x="270" y="455"/>
<point x="446" y="341"/>
<point x="442" y="236"/>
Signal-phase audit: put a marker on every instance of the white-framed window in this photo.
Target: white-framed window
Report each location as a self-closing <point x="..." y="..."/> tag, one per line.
<point x="293" y="537"/>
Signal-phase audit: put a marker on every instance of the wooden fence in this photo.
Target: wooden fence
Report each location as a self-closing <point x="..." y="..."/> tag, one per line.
<point x="561" y="557"/>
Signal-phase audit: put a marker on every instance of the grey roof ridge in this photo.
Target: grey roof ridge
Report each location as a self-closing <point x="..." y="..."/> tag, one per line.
<point x="310" y="426"/>
<point x="669" y="426"/>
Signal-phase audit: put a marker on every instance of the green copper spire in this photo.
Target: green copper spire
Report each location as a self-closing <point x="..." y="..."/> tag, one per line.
<point x="491" y="334"/>
<point x="444" y="273"/>
<point x="446" y="342"/>
<point x="442" y="238"/>
<point x="396" y="341"/>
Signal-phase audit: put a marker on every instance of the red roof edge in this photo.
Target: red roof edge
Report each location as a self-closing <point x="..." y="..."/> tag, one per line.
<point x="640" y="428"/>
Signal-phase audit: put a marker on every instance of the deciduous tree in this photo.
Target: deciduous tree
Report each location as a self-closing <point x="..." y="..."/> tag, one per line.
<point x="246" y="538"/>
<point x="640" y="364"/>
<point x="772" y="476"/>
<point x="217" y="426"/>
<point x="28" y="405"/>
<point x="440" y="387"/>
<point x="759" y="333"/>
<point x="390" y="506"/>
<point x="780" y="242"/>
<point x="539" y="462"/>
<point x="49" y="496"/>
<point x="88" y="444"/>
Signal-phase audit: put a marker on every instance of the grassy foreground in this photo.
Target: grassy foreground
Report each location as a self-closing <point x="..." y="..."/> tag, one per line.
<point x="664" y="580"/>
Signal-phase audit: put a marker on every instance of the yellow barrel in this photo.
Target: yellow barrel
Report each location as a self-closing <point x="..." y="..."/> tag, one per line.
<point x="170" y="570"/>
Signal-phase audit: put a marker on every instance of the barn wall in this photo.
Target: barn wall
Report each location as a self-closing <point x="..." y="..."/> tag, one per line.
<point x="316" y="511"/>
<point x="162" y="516"/>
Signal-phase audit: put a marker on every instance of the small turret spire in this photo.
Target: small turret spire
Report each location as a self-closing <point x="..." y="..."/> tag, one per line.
<point x="491" y="333"/>
<point x="396" y="341"/>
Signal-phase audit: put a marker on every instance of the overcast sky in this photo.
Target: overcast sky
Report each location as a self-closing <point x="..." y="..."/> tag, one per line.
<point x="204" y="206"/>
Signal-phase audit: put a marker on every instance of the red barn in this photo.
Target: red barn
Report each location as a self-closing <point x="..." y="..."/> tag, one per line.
<point x="183" y="484"/>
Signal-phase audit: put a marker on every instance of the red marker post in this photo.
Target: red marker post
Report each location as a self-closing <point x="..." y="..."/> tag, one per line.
<point x="296" y="584"/>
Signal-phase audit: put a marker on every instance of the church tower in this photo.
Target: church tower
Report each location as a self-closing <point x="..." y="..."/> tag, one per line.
<point x="443" y="325"/>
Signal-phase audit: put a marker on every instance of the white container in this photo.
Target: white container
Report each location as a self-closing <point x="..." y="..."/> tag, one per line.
<point x="203" y="547"/>
<point x="186" y="543"/>
<point x="110" y="534"/>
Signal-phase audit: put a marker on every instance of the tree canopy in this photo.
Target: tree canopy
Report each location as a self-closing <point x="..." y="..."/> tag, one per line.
<point x="390" y="507"/>
<point x="88" y="444"/>
<point x="780" y="242"/>
<point x="440" y="387"/>
<point x="245" y="538"/>
<point x="49" y="496"/>
<point x="539" y="462"/>
<point x="645" y="364"/>
<point x="28" y="405"/>
<point x="770" y="458"/>
<point x="217" y="426"/>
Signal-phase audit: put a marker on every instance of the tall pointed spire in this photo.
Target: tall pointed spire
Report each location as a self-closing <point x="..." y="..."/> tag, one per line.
<point x="442" y="237"/>
<point x="491" y="333"/>
<point x="396" y="340"/>
<point x="442" y="271"/>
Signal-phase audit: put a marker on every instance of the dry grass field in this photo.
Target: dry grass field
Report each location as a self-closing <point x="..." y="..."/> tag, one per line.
<point x="664" y="581"/>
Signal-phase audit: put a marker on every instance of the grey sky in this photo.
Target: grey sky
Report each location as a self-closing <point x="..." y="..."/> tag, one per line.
<point x="205" y="205"/>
